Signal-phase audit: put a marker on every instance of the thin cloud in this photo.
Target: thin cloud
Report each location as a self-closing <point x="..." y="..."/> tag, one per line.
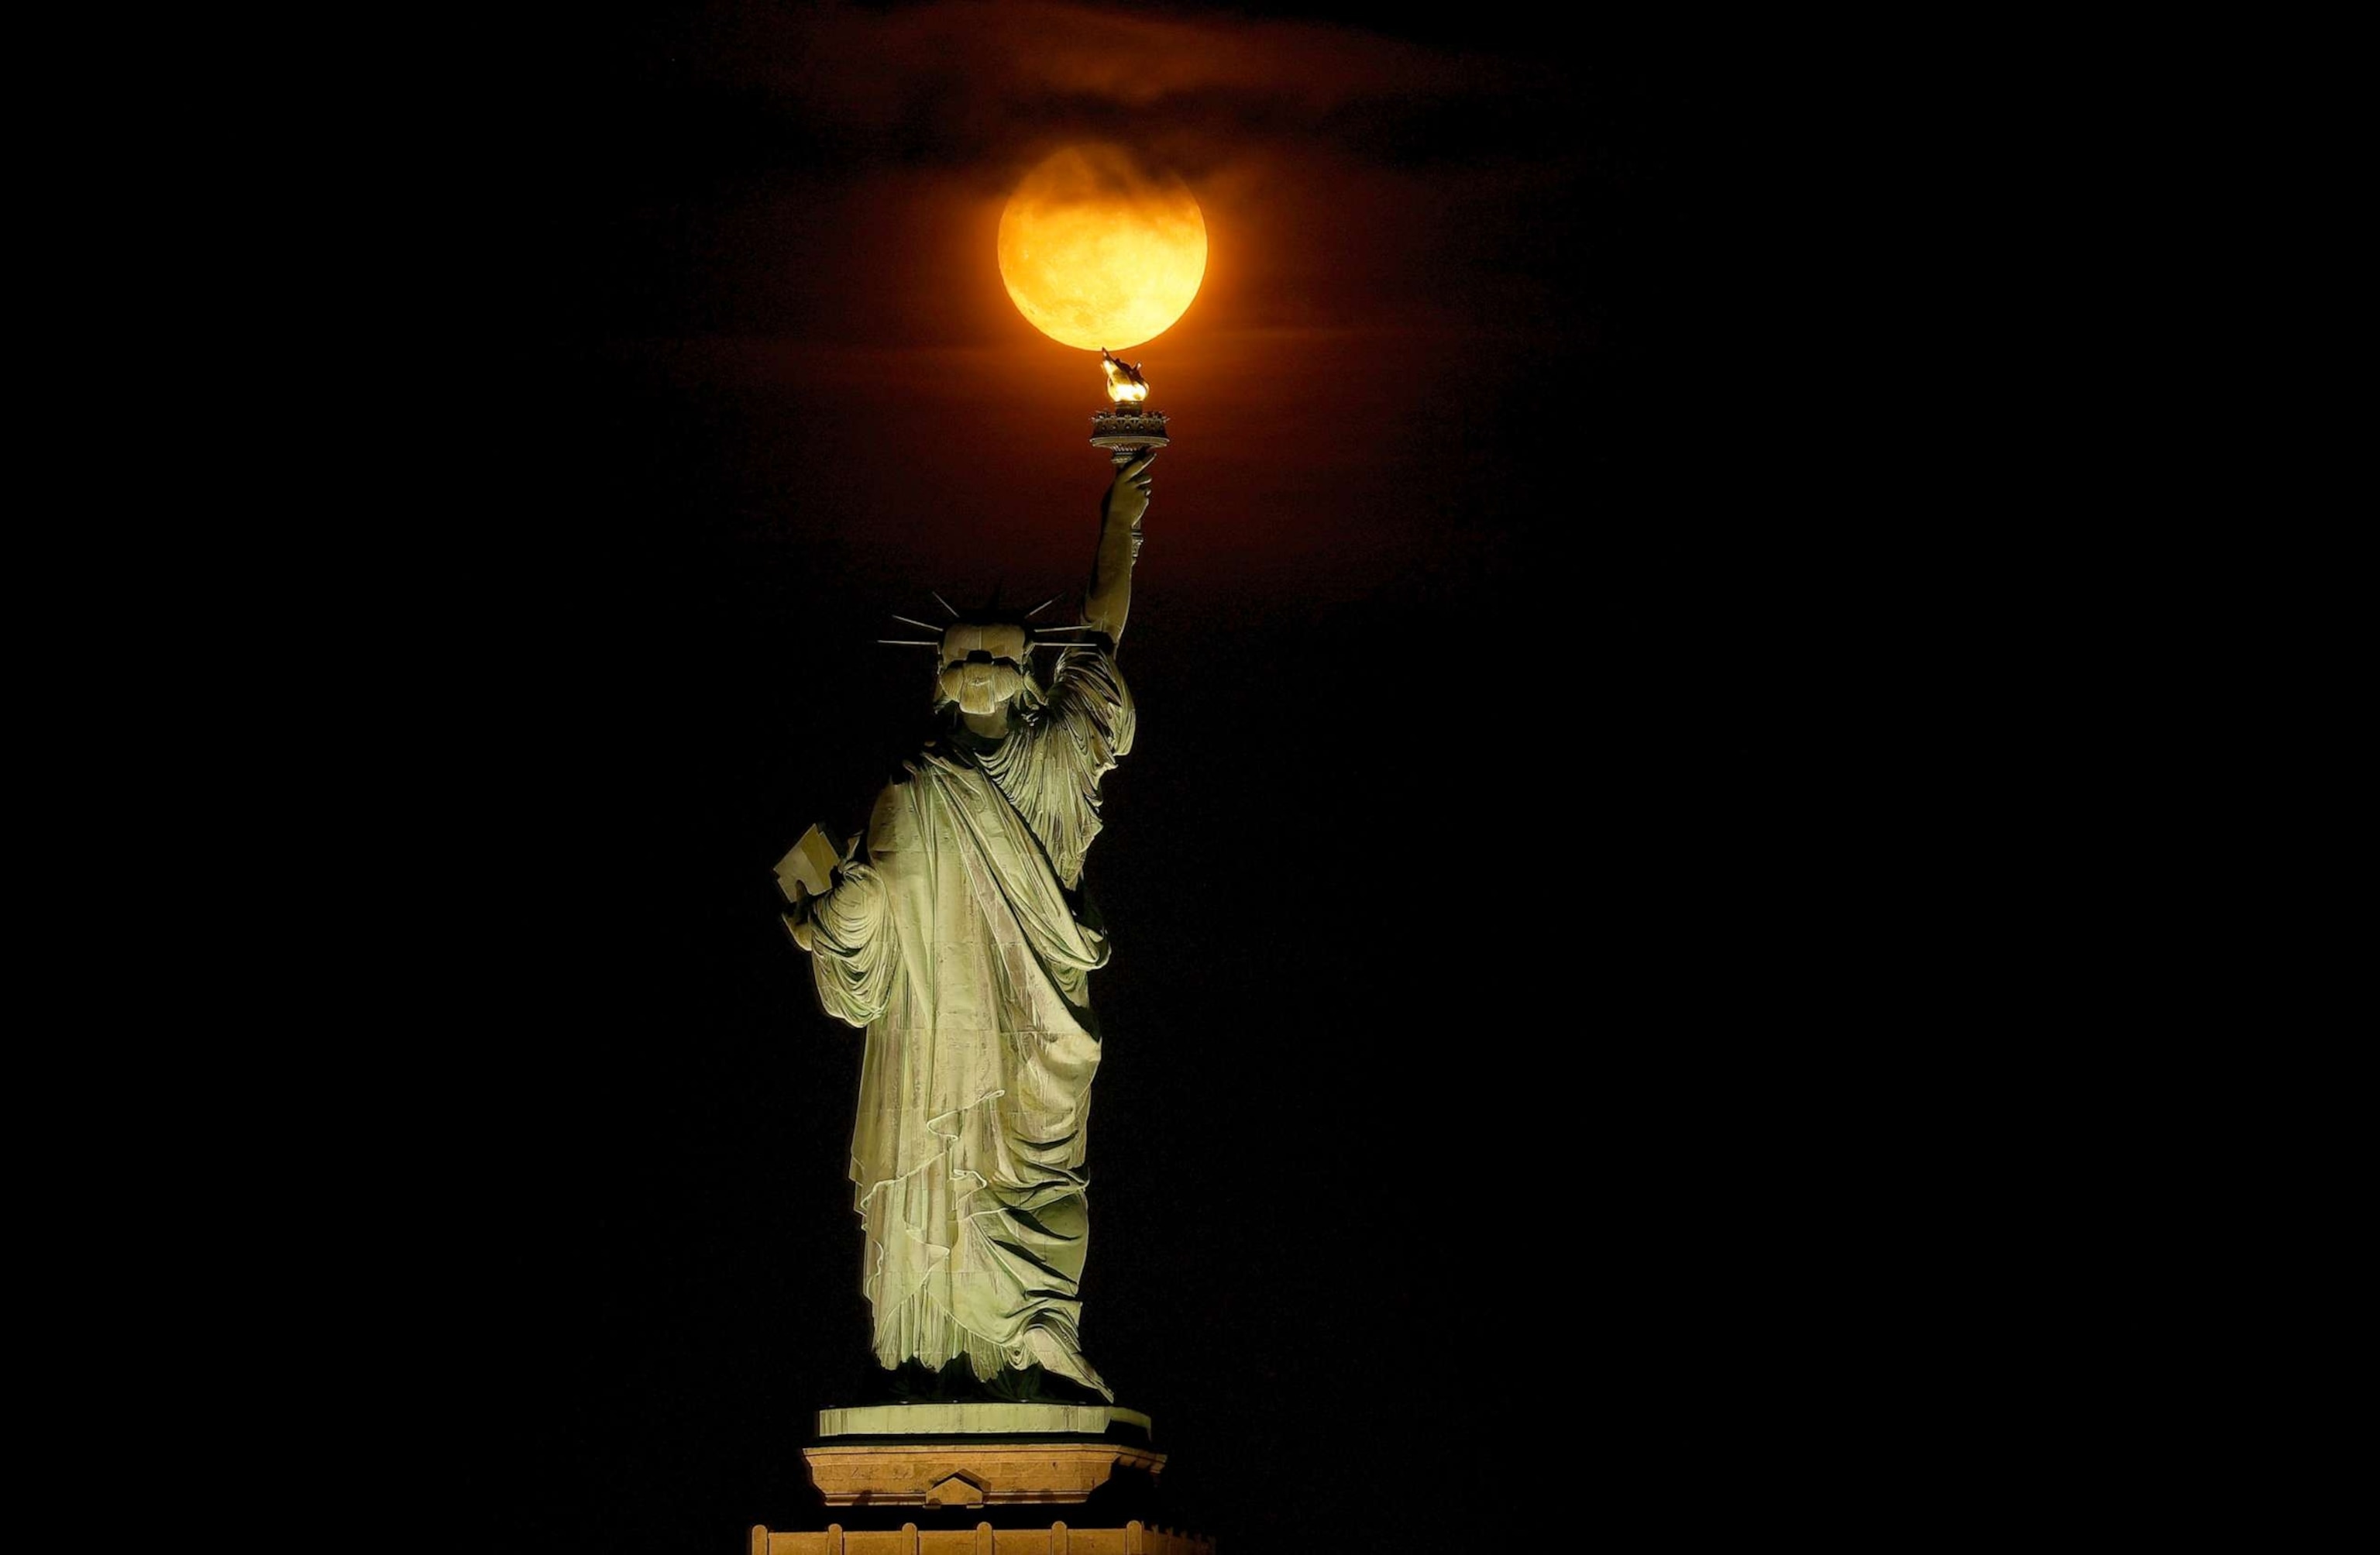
<point x="981" y="89"/>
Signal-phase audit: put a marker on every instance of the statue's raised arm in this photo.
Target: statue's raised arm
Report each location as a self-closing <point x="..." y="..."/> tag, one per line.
<point x="1109" y="600"/>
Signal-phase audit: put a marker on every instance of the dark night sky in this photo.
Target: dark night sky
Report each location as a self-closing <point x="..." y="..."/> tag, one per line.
<point x="1434" y="1025"/>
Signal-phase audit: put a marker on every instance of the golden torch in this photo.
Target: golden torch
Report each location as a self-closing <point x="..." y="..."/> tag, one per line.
<point x="1129" y="426"/>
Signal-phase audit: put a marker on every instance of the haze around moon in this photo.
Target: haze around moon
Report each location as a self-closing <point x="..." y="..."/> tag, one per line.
<point x="1097" y="252"/>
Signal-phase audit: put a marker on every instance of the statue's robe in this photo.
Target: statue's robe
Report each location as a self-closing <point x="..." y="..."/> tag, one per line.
<point x="963" y="946"/>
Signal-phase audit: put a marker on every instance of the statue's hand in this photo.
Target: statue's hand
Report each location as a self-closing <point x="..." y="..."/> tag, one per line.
<point x="1128" y="497"/>
<point x="797" y="919"/>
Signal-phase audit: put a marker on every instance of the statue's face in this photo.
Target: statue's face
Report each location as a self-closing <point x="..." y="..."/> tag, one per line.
<point x="983" y="666"/>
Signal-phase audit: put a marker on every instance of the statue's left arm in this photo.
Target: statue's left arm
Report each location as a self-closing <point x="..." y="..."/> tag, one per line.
<point x="1109" y="600"/>
<point x="848" y="933"/>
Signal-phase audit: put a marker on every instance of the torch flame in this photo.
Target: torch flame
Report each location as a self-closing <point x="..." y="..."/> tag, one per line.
<point x="1125" y="386"/>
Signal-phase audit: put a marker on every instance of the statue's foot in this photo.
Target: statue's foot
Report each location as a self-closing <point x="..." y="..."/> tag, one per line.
<point x="915" y="1382"/>
<point x="1061" y="1359"/>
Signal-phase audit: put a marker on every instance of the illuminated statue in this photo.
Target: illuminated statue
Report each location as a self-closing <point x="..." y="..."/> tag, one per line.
<point x="958" y="936"/>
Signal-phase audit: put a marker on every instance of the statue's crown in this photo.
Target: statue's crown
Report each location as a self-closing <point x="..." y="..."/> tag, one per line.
<point x="992" y="614"/>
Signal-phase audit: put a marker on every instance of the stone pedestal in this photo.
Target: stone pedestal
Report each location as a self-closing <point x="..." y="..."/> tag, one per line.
<point x="946" y="1458"/>
<point x="1056" y="1539"/>
<point x="989" y="1473"/>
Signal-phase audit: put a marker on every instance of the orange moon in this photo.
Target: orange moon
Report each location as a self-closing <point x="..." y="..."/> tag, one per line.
<point x="1096" y="252"/>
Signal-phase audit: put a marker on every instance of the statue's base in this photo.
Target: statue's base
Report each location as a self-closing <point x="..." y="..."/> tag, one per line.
<point x="971" y="1473"/>
<point x="980" y="1417"/>
<point x="993" y="1460"/>
<point x="976" y="1454"/>
<point x="981" y="1539"/>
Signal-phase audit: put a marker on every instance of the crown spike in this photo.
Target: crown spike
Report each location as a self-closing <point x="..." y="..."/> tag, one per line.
<point x="945" y="603"/>
<point x="913" y="621"/>
<point x="1043" y="606"/>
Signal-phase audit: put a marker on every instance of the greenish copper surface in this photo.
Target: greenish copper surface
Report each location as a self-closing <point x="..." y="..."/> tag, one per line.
<point x="913" y="1420"/>
<point x="960" y="937"/>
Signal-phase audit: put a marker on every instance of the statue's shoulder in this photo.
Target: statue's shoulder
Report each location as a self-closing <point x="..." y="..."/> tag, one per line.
<point x="893" y="825"/>
<point x="1087" y="673"/>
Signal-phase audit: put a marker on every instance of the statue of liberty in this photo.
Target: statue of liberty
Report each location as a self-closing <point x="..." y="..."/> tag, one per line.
<point x="958" y="933"/>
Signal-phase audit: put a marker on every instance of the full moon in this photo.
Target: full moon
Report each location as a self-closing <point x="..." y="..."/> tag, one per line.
<point x="1097" y="252"/>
